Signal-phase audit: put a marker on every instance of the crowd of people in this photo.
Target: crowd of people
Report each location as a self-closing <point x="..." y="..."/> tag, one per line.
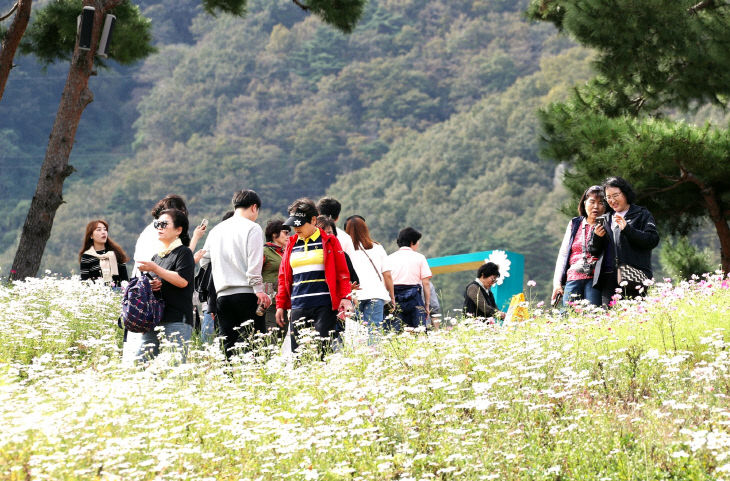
<point x="306" y="271"/>
<point x="298" y="272"/>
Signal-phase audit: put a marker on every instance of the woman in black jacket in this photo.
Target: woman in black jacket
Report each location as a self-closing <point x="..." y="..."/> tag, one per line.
<point x="626" y="237"/>
<point x="478" y="298"/>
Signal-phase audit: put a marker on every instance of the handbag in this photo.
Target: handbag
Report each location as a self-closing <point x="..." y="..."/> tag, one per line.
<point x="558" y="300"/>
<point x="632" y="276"/>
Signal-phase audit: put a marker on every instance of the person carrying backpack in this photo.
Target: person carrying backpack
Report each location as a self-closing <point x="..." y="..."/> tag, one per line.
<point x="173" y="268"/>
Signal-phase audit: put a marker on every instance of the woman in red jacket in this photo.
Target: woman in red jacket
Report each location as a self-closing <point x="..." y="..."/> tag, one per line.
<point x="313" y="278"/>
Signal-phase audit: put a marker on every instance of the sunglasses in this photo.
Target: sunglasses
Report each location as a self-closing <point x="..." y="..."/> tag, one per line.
<point x="160" y="224"/>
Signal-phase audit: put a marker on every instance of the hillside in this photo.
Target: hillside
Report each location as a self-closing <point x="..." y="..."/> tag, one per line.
<point x="424" y="116"/>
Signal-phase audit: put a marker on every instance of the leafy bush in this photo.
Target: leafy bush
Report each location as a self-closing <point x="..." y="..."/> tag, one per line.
<point x="682" y="260"/>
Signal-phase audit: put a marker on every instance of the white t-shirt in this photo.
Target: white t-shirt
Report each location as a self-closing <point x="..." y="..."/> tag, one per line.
<point x="148" y="244"/>
<point x="346" y="243"/>
<point x="408" y="267"/>
<point x="371" y="284"/>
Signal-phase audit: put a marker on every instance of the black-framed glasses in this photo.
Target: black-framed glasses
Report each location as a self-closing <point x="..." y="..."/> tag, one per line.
<point x="160" y="224"/>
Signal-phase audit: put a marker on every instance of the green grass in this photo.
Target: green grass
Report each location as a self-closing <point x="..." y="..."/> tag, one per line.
<point x="638" y="393"/>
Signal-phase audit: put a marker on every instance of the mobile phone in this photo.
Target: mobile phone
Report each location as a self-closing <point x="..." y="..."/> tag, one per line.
<point x="204" y="223"/>
<point x="558" y="300"/>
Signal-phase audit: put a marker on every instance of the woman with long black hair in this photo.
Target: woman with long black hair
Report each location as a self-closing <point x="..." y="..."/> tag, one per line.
<point x="100" y="257"/>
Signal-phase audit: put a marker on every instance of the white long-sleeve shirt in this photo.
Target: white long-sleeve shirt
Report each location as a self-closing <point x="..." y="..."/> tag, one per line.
<point x="235" y="249"/>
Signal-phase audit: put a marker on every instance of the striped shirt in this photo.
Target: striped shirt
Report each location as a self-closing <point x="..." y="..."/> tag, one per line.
<point x="309" y="287"/>
<point x="91" y="269"/>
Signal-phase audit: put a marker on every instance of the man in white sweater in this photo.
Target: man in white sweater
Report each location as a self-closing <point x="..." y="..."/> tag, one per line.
<point x="235" y="250"/>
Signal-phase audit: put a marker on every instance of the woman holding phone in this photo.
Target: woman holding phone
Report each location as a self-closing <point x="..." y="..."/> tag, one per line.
<point x="574" y="269"/>
<point x="173" y="269"/>
<point x="624" y="243"/>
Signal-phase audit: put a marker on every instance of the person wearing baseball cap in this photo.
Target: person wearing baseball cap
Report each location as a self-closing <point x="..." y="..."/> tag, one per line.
<point x="314" y="281"/>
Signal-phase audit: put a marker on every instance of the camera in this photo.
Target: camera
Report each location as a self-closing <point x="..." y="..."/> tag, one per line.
<point x="586" y="269"/>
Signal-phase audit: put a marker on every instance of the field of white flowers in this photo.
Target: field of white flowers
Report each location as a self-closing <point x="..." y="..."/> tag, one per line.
<point x="639" y="392"/>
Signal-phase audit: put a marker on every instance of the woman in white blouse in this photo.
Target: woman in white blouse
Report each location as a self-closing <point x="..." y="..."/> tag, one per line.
<point x="371" y="264"/>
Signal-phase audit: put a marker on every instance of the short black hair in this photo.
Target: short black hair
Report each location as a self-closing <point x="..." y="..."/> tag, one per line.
<point x="305" y="206"/>
<point x="170" y="201"/>
<point x="488" y="269"/>
<point x="274" y="228"/>
<point x="623" y="184"/>
<point x="246" y="198"/>
<point x="228" y="215"/>
<point x="408" y="236"/>
<point x="329" y="206"/>
<point x="592" y="190"/>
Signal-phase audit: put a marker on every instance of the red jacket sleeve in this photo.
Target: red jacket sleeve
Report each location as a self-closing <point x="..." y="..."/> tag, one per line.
<point x="283" y="290"/>
<point x="342" y="272"/>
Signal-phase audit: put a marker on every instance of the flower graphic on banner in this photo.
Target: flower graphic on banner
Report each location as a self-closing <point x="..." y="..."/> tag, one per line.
<point x="500" y="258"/>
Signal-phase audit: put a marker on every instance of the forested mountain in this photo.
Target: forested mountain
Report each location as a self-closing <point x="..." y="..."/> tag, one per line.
<point x="423" y="116"/>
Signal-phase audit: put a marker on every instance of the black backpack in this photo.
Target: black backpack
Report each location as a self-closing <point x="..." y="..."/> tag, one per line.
<point x="202" y="280"/>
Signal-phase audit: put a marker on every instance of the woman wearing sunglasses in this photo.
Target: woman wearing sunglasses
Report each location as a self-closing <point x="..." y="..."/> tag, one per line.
<point x="172" y="269"/>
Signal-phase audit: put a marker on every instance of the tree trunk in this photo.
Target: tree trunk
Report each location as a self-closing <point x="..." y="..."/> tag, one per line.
<point x="12" y="40"/>
<point x="717" y="215"/>
<point x="49" y="191"/>
<point x="721" y="227"/>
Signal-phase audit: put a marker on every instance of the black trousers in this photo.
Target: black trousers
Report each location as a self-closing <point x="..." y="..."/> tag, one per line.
<point x="322" y="318"/>
<point x="232" y="312"/>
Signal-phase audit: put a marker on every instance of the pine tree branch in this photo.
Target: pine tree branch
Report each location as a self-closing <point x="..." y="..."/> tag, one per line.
<point x="700" y="6"/>
<point x="12" y="10"/>
<point x="638" y="103"/>
<point x="300" y="5"/>
<point x="545" y="6"/>
<point x="678" y="181"/>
